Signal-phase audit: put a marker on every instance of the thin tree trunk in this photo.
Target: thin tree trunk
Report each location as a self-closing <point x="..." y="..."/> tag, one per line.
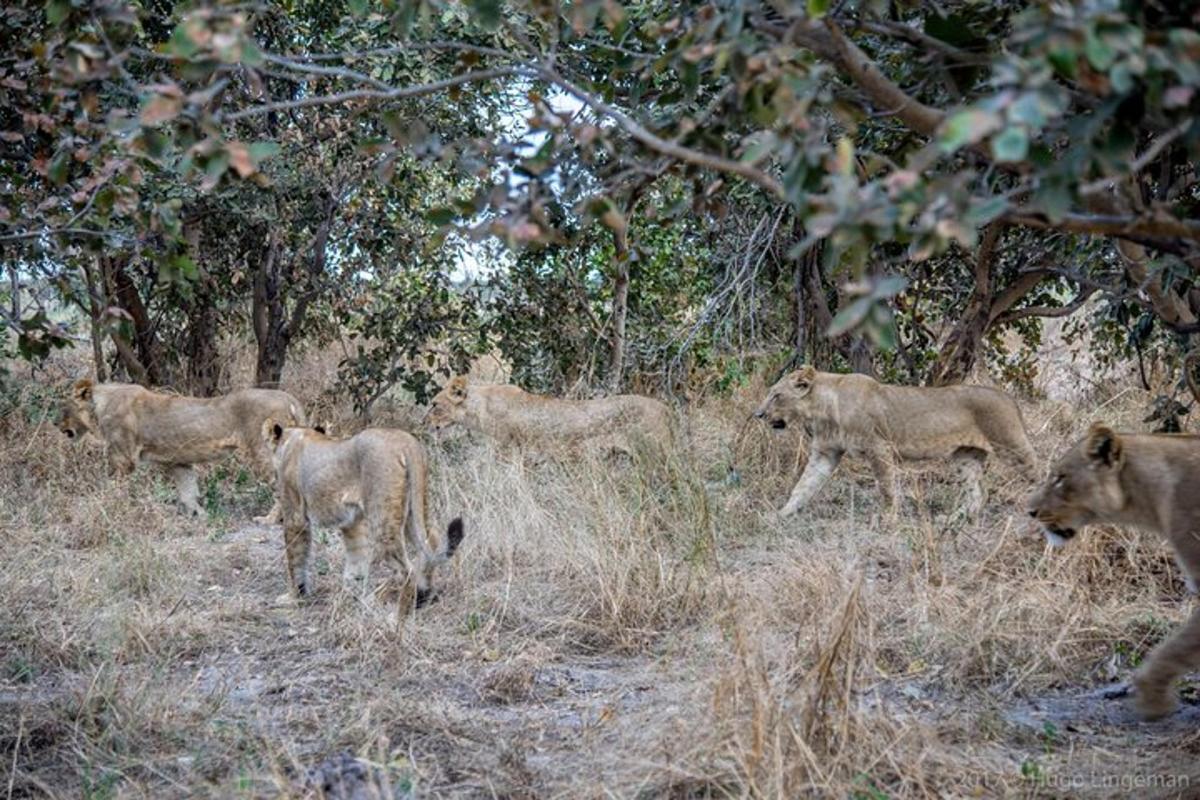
<point x="95" y="310"/>
<point x="201" y="344"/>
<point x="273" y="327"/>
<point x="268" y="316"/>
<point x="616" y="360"/>
<point x="800" y="319"/>
<point x="961" y="349"/>
<point x="144" y="363"/>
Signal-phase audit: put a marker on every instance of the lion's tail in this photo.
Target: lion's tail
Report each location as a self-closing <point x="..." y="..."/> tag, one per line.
<point x="416" y="510"/>
<point x="299" y="418"/>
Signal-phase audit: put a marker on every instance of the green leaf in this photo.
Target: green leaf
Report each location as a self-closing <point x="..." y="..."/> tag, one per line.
<point x="981" y="214"/>
<point x="441" y="215"/>
<point x="1099" y="53"/>
<point x="181" y="43"/>
<point x="1028" y="111"/>
<point x="185" y="268"/>
<point x="850" y="317"/>
<point x="967" y="127"/>
<point x="1011" y="145"/>
<point x="60" y="167"/>
<point x="260" y="151"/>
<point x="57" y="11"/>
<point x="1053" y="199"/>
<point x="252" y="56"/>
<point x="817" y="8"/>
<point x="359" y="8"/>
<point x="487" y="12"/>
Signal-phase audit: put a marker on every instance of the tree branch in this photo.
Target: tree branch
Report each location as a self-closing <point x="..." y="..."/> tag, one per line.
<point x="398" y="93"/>
<point x="1047" y="311"/>
<point x="660" y="145"/>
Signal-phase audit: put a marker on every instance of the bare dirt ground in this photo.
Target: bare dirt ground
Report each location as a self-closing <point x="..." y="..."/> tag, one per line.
<point x="605" y="631"/>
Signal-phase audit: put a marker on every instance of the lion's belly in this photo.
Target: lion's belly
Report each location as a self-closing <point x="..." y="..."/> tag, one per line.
<point x="324" y="505"/>
<point x="189" y="451"/>
<point x="341" y="513"/>
<point x="936" y="442"/>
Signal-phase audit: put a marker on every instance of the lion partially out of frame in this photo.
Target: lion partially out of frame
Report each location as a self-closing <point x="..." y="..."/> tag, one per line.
<point x="855" y="414"/>
<point x="138" y="425"/>
<point x="1144" y="480"/>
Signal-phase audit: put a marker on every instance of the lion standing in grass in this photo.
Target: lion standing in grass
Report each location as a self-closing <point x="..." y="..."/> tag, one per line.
<point x="513" y="416"/>
<point x="1149" y="481"/>
<point x="177" y="432"/>
<point x="372" y="487"/>
<point x="858" y="415"/>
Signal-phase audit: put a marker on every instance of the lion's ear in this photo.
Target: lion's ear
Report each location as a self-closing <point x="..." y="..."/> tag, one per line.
<point x="1104" y="446"/>
<point x="272" y="431"/>
<point x="319" y="429"/>
<point x="458" y="387"/>
<point x="82" y="389"/>
<point x="803" y="377"/>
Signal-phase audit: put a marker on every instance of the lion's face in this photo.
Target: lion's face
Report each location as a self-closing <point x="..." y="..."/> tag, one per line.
<point x="77" y="418"/>
<point x="447" y="407"/>
<point x="787" y="401"/>
<point x="1084" y="485"/>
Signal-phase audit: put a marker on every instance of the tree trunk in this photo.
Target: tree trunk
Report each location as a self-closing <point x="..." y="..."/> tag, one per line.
<point x="853" y="348"/>
<point x="144" y="363"/>
<point x="961" y="349"/>
<point x="203" y="371"/>
<point x="273" y="327"/>
<point x="270" y="329"/>
<point x="616" y="359"/>
<point x="95" y="311"/>
<point x="800" y="316"/>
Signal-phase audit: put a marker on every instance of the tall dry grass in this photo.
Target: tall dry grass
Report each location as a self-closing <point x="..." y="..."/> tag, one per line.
<point x="626" y="628"/>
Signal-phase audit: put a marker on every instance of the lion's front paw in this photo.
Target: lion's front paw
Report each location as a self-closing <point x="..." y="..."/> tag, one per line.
<point x="1154" y="702"/>
<point x="286" y="600"/>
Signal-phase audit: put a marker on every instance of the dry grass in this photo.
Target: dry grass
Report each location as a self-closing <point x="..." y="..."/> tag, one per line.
<point x="607" y="630"/>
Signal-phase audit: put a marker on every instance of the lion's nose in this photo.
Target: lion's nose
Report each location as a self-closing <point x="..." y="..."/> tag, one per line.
<point x="1033" y="513"/>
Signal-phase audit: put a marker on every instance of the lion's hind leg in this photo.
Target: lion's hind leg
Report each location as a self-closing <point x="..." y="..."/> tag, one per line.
<point x="297" y="538"/>
<point x="187" y="485"/>
<point x="970" y="462"/>
<point x="357" y="568"/>
<point x="884" y="466"/>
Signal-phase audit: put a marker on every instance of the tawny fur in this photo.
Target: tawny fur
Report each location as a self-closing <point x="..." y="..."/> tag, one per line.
<point x="514" y="417"/>
<point x="372" y="487"/>
<point x="855" y="414"/>
<point x="1147" y="481"/>
<point x="175" y="431"/>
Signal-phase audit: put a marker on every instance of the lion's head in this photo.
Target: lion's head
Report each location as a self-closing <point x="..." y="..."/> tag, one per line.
<point x="276" y="435"/>
<point x="77" y="415"/>
<point x="1084" y="485"/>
<point x="448" y="405"/>
<point x="787" y="401"/>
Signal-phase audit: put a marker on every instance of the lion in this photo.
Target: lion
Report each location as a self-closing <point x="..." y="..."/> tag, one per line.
<point x="176" y="432"/>
<point x="371" y="486"/>
<point x="513" y="416"/>
<point x="1144" y="480"/>
<point x="856" y="414"/>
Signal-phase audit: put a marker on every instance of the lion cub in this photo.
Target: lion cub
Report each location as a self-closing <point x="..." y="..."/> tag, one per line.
<point x="1149" y="481"/>
<point x="372" y="487"/>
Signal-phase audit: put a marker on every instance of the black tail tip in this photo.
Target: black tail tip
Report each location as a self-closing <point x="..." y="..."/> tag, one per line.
<point x="454" y="536"/>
